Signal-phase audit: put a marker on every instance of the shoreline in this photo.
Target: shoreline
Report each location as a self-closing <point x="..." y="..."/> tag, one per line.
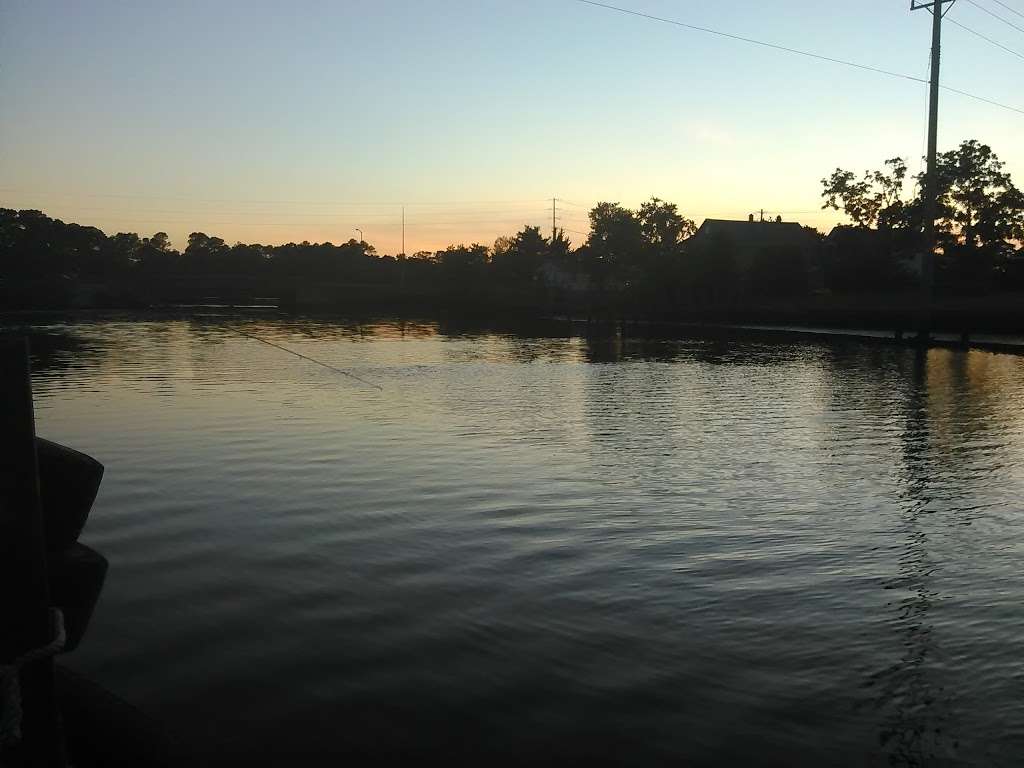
<point x="1010" y="341"/>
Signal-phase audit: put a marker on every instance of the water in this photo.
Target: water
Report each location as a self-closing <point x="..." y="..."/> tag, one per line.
<point x="549" y="548"/>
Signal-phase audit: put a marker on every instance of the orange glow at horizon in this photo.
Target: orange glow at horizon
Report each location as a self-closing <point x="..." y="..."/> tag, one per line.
<point x="428" y="227"/>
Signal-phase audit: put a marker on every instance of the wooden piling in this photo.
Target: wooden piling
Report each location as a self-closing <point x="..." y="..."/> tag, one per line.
<point x="23" y="576"/>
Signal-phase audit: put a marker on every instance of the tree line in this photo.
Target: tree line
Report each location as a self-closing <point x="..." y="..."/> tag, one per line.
<point x="645" y="257"/>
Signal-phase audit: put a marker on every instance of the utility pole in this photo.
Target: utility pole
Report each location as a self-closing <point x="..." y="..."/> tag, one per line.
<point x="553" y="201"/>
<point x="403" y="263"/>
<point x="931" y="182"/>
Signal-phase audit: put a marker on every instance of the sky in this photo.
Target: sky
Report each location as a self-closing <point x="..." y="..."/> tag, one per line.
<point x="273" y="122"/>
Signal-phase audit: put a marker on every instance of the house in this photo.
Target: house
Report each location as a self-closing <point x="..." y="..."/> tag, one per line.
<point x="753" y="245"/>
<point x="747" y="240"/>
<point x="872" y="246"/>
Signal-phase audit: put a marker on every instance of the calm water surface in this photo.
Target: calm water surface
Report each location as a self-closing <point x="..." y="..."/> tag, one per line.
<point x="551" y="548"/>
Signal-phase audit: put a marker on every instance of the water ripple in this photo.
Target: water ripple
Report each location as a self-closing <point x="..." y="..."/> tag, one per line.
<point x="542" y="547"/>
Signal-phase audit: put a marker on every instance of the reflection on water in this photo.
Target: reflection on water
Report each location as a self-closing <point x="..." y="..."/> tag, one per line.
<point x="917" y="706"/>
<point x="534" y="544"/>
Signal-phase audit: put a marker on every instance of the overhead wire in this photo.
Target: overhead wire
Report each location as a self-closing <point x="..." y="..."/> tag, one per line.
<point x="995" y="15"/>
<point x="243" y="201"/>
<point x="987" y="39"/>
<point x="1011" y="10"/>
<point x="796" y="51"/>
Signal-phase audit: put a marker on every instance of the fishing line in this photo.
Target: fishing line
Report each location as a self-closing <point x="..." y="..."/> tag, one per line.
<point x="304" y="357"/>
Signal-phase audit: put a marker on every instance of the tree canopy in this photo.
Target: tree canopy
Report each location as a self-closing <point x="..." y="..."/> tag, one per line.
<point x="980" y="216"/>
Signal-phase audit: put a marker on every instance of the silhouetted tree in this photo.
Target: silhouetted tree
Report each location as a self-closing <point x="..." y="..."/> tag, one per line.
<point x="663" y="231"/>
<point x="981" y="213"/>
<point x="662" y="227"/>
<point x="251" y="259"/>
<point x="34" y="245"/>
<point x="875" y="201"/>
<point x="463" y="267"/>
<point x="205" y="254"/>
<point x="979" y="226"/>
<point x="613" y="247"/>
<point x="155" y="255"/>
<point x="872" y="254"/>
<point x="559" y="248"/>
<point x="124" y="248"/>
<point x="518" y="258"/>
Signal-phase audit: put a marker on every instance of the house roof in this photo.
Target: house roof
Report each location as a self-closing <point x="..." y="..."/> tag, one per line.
<point x="754" y="234"/>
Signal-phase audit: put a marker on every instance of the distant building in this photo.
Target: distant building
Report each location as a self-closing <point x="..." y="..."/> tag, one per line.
<point x="754" y="245"/>
<point x="749" y="239"/>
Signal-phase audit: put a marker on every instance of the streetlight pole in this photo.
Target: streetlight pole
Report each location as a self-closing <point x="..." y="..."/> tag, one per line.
<point x="360" y="234"/>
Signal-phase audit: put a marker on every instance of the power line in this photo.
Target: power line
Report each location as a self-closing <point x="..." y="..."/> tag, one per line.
<point x="986" y="39"/>
<point x="995" y="15"/>
<point x="1011" y="10"/>
<point x="199" y="214"/>
<point x="752" y="41"/>
<point x="951" y="89"/>
<point x="100" y="209"/>
<point x="240" y="216"/>
<point x="796" y="51"/>
<point x="198" y="220"/>
<point x="242" y="201"/>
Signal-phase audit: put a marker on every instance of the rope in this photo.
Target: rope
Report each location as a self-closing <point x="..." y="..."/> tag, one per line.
<point x="10" y="683"/>
<point x="304" y="357"/>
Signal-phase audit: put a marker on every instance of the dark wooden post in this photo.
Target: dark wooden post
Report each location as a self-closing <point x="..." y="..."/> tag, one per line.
<point x="23" y="578"/>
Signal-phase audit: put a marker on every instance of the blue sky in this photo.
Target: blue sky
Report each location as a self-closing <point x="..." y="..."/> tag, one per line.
<point x="269" y="122"/>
